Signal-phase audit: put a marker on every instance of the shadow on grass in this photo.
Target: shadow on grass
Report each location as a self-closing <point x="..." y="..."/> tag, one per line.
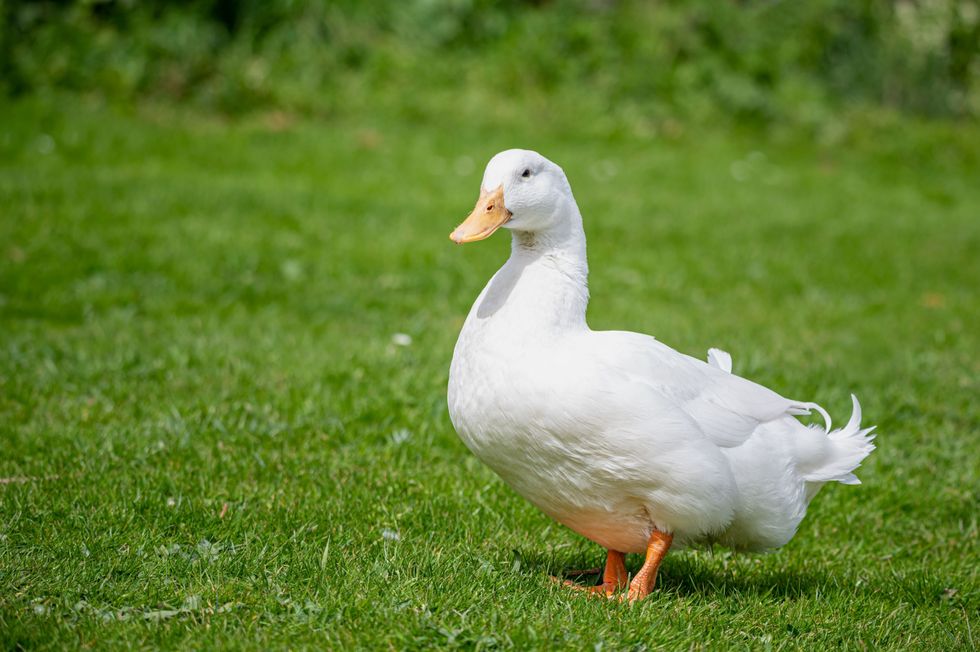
<point x="689" y="575"/>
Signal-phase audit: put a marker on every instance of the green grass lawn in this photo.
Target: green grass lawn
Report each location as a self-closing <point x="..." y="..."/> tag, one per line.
<point x="209" y="435"/>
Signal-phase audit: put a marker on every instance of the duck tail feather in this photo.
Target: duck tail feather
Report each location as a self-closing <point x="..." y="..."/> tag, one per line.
<point x="847" y="448"/>
<point x="803" y="409"/>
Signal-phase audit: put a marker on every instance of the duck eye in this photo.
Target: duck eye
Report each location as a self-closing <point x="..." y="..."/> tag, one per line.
<point x="526" y="173"/>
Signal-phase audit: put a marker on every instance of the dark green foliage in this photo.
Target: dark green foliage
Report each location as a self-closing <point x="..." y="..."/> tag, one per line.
<point x="758" y="61"/>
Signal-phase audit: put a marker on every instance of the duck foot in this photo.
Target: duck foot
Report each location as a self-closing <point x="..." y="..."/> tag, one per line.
<point x="614" y="576"/>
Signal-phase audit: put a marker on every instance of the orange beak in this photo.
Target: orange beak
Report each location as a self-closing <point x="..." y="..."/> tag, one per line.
<point x="488" y="215"/>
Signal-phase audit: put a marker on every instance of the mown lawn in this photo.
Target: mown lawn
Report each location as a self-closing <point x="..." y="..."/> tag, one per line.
<point x="211" y="435"/>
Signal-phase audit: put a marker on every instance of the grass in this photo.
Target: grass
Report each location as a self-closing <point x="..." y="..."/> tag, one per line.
<point x="210" y="437"/>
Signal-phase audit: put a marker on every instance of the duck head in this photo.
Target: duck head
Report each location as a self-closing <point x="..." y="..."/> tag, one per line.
<point x="521" y="191"/>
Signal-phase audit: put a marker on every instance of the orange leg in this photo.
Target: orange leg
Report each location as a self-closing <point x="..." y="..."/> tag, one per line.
<point x="614" y="576"/>
<point x="643" y="582"/>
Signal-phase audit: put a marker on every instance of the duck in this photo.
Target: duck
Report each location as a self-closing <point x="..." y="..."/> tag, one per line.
<point x="615" y="435"/>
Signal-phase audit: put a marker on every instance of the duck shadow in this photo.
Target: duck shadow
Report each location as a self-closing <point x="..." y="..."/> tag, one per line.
<point x="688" y="574"/>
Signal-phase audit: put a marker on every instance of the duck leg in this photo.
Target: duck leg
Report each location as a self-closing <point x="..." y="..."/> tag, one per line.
<point x="614" y="577"/>
<point x="643" y="582"/>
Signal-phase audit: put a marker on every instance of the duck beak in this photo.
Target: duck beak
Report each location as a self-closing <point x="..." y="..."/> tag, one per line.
<point x="488" y="215"/>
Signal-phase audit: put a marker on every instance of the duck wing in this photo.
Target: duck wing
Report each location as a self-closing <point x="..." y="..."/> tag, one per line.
<point x="726" y="408"/>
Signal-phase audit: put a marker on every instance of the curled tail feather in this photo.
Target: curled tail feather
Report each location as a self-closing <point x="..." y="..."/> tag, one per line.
<point x="844" y="450"/>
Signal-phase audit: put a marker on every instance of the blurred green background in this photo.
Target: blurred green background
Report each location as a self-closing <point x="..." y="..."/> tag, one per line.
<point x="228" y="306"/>
<point x="642" y="62"/>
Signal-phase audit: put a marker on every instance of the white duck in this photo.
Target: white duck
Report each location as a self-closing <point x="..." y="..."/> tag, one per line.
<point x="613" y="434"/>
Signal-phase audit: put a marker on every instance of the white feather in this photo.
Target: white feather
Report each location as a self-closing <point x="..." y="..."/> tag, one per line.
<point x="720" y="359"/>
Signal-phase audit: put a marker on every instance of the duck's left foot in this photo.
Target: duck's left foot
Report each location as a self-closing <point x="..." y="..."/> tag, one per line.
<point x="614" y="577"/>
<point x="643" y="583"/>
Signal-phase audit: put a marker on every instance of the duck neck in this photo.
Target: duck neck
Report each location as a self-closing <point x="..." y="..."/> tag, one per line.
<point x="551" y="274"/>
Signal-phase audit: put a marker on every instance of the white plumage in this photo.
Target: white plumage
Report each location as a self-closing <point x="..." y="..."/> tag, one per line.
<point x="612" y="433"/>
